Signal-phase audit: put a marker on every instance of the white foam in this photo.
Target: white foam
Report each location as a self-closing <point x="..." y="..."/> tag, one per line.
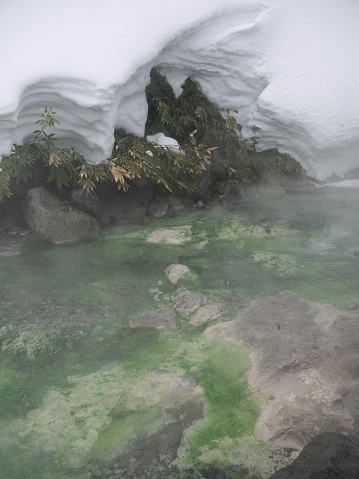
<point x="291" y="71"/>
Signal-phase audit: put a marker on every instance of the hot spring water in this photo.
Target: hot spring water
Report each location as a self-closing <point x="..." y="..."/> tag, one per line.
<point x="78" y="387"/>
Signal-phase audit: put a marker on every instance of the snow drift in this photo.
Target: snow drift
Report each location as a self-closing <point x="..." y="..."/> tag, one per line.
<point x="288" y="67"/>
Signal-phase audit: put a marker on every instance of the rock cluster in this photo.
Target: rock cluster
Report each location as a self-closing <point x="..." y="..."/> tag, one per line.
<point x="195" y="307"/>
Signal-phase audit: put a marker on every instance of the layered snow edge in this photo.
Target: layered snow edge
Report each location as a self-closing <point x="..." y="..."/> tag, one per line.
<point x="285" y="69"/>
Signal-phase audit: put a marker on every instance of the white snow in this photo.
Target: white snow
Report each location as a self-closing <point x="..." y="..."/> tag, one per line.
<point x="290" y="67"/>
<point x="162" y="140"/>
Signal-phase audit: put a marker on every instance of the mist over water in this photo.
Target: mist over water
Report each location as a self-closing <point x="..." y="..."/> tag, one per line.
<point x="65" y="310"/>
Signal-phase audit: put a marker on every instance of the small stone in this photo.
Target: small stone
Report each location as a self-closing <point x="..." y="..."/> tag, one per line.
<point x="187" y="302"/>
<point x="162" y="318"/>
<point x="175" y="272"/>
<point x="170" y="235"/>
<point x="210" y="313"/>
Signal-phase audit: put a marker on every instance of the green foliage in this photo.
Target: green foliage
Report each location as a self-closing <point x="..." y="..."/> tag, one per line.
<point x="192" y="118"/>
<point x="132" y="157"/>
<point x="207" y="142"/>
<point x="172" y="169"/>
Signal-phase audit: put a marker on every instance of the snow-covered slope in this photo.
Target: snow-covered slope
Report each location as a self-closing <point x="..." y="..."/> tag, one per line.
<point x="290" y="67"/>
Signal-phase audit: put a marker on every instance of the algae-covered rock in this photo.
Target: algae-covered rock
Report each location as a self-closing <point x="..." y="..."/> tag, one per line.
<point x="37" y="341"/>
<point x="210" y="313"/>
<point x="162" y="318"/>
<point x="170" y="235"/>
<point x="283" y="263"/>
<point x="177" y="272"/>
<point x="186" y="302"/>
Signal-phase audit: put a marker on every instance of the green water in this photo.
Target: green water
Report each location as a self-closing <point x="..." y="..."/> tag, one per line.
<point x="74" y="377"/>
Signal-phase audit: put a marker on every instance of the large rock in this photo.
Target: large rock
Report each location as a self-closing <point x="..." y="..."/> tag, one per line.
<point x="328" y="455"/>
<point x="53" y="220"/>
<point x="232" y="193"/>
<point x="158" y="207"/>
<point x="305" y="367"/>
<point x="88" y="202"/>
<point x="162" y="318"/>
<point x="130" y="205"/>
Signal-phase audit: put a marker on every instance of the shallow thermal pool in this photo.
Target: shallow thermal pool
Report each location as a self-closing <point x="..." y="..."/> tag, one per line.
<point x="79" y="389"/>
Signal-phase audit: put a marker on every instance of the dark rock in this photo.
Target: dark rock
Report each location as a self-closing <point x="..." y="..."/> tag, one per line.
<point x="232" y="193"/>
<point x="88" y="202"/>
<point x="328" y="455"/>
<point x="130" y="205"/>
<point x="163" y="318"/>
<point x="53" y="220"/>
<point x="158" y="207"/>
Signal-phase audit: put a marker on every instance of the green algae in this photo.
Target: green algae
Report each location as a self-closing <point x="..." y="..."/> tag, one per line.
<point x="70" y="366"/>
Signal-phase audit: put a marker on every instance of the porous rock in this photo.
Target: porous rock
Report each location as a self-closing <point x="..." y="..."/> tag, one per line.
<point x="210" y="313"/>
<point x="162" y="318"/>
<point x="51" y="219"/>
<point x="305" y="366"/>
<point x="328" y="455"/>
<point x="186" y="302"/>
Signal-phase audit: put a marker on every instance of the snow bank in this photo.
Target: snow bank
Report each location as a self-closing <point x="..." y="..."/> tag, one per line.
<point x="289" y="67"/>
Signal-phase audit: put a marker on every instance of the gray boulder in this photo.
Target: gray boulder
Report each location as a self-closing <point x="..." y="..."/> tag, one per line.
<point x="88" y="202"/>
<point x="51" y="219"/>
<point x="328" y="455"/>
<point x="162" y="318"/>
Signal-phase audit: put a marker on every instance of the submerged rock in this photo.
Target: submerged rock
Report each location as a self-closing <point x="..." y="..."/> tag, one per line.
<point x="328" y="455"/>
<point x="162" y="318"/>
<point x="186" y="302"/>
<point x="170" y="235"/>
<point x="176" y="272"/>
<point x="51" y="219"/>
<point x="210" y="313"/>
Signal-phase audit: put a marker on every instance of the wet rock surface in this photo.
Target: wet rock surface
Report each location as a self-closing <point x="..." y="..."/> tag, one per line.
<point x="186" y="302"/>
<point x="328" y="455"/>
<point x="130" y="205"/>
<point x="88" y="202"/>
<point x="305" y="364"/>
<point x="53" y="220"/>
<point x="176" y="272"/>
<point x="155" y="456"/>
<point x="210" y="313"/>
<point x="169" y="235"/>
<point x="158" y="207"/>
<point x="162" y="318"/>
